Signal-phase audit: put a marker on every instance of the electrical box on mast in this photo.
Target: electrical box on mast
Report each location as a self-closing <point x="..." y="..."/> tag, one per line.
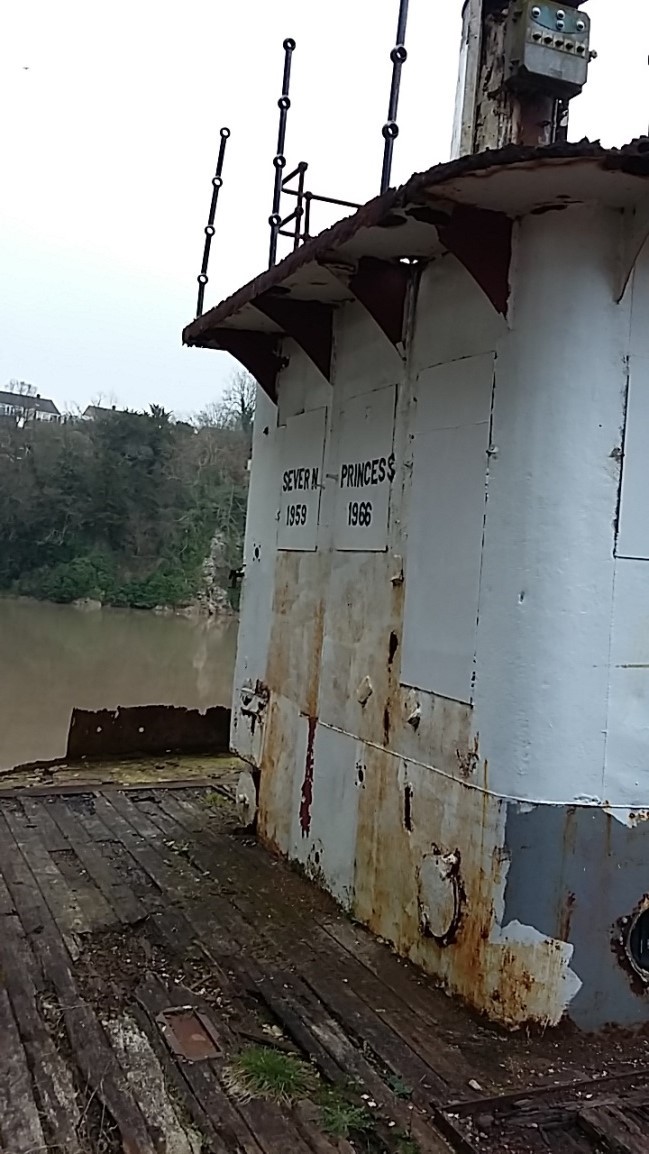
<point x="547" y="48"/>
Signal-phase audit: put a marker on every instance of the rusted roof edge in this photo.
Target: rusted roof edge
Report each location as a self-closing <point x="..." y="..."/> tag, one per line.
<point x="632" y="158"/>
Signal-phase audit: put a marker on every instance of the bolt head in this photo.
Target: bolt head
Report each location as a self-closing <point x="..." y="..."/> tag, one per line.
<point x="536" y="12"/>
<point x="581" y="25"/>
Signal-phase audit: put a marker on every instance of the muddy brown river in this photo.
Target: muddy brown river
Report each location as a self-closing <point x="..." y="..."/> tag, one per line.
<point x="54" y="658"/>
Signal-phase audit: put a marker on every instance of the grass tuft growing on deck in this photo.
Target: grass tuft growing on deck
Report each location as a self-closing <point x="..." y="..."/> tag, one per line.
<point x="258" y="1072"/>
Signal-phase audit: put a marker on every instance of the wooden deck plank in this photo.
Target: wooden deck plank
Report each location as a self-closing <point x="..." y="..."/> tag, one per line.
<point x="81" y="808"/>
<point x="38" y="816"/>
<point x="94" y="1056"/>
<point x="178" y="880"/>
<point x="57" y="894"/>
<point x="348" y="988"/>
<point x="225" y="1119"/>
<point x="20" y="1126"/>
<point x="125" y="905"/>
<point x="614" y="1130"/>
<point x="51" y="1075"/>
<point x="97" y="913"/>
<point x="240" y="957"/>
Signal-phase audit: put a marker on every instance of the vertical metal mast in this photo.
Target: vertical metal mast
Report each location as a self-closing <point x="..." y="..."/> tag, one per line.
<point x="284" y="103"/>
<point x="390" y="129"/>
<point x="217" y="183"/>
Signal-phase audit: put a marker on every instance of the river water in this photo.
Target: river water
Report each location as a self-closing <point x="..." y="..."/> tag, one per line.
<point x="54" y="658"/>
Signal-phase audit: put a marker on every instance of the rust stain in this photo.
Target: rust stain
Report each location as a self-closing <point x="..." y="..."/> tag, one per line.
<point x="307" y="784"/>
<point x="468" y="759"/>
<point x="621" y="947"/>
<point x="392" y="648"/>
<point x="386" y="725"/>
<point x="565" y="918"/>
<point x="569" y="832"/>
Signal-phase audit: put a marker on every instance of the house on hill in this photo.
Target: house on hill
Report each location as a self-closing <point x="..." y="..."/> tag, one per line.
<point x="23" y="407"/>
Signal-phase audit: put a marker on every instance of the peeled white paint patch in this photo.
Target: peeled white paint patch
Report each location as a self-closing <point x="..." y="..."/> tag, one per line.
<point x="517" y="933"/>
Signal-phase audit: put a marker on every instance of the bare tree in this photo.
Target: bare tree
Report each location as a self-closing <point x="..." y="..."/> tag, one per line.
<point x="235" y="409"/>
<point x="22" y="388"/>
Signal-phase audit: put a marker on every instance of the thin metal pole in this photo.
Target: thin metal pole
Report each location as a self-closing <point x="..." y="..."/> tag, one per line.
<point x="217" y="183"/>
<point x="390" y="129"/>
<point x="284" y="103"/>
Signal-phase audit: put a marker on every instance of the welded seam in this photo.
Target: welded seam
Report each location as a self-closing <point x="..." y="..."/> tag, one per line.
<point x="471" y="785"/>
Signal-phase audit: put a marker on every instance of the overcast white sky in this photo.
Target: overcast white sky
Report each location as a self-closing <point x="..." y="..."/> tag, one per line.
<point x="108" y="140"/>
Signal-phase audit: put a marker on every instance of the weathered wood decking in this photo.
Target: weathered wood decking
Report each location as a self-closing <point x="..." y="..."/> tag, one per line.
<point x="118" y="904"/>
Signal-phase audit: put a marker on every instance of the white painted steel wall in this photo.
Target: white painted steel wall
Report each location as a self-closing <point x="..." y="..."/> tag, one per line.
<point x="478" y="642"/>
<point x="546" y="598"/>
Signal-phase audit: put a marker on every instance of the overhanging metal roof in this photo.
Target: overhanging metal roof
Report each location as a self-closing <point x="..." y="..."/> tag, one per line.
<point x="466" y="207"/>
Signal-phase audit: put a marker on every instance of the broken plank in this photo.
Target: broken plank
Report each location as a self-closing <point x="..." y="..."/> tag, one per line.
<point x="20" y="1126"/>
<point x="153" y="997"/>
<point x="83" y="810"/>
<point x="613" y="1129"/>
<point x="96" y="1060"/>
<point x="51" y="1075"/>
<point x="92" y="1053"/>
<point x="177" y="1081"/>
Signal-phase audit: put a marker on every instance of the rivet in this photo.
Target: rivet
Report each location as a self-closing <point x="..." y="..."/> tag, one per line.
<point x="581" y="25"/>
<point x="536" y="12"/>
<point x="561" y="14"/>
<point x="559" y="43"/>
<point x="536" y="36"/>
<point x="547" y="40"/>
<point x="561" y="24"/>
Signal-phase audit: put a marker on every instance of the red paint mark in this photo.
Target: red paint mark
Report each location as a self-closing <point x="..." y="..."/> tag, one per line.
<point x="307" y="784"/>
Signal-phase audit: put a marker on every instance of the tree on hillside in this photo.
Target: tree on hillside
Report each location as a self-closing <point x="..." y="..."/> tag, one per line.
<point x="235" y="409"/>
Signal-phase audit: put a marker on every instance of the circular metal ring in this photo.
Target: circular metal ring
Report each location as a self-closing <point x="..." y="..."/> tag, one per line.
<point x="202" y="279"/>
<point x="225" y="132"/>
<point x="289" y="44"/>
<point x="209" y="230"/>
<point x="399" y="54"/>
<point x="390" y="130"/>
<point x="279" y="161"/>
<point x="217" y="181"/>
<point x="274" y="220"/>
<point x="284" y="103"/>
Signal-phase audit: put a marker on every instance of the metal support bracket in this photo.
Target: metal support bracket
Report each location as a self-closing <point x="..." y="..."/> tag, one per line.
<point x="381" y="287"/>
<point x="308" y="323"/>
<point x="635" y="235"/>
<point x="257" y="352"/>
<point x="482" y="241"/>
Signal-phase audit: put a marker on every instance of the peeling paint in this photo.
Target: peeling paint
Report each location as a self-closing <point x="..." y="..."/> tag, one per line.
<point x="307" y="784"/>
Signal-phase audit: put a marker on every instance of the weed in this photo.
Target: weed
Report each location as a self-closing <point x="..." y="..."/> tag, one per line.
<point x="215" y="800"/>
<point x="407" y="1146"/>
<point x="340" y="1118"/>
<point x="258" y="1072"/>
<point x="398" y="1086"/>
